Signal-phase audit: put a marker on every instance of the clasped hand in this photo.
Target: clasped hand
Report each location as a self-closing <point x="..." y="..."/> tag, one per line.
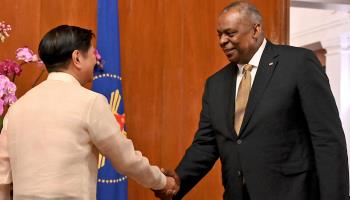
<point x="172" y="185"/>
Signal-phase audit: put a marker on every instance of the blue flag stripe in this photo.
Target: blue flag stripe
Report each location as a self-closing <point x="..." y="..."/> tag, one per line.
<point x="111" y="185"/>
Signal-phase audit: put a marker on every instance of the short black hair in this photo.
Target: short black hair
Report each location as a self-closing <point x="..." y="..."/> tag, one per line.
<point x="57" y="46"/>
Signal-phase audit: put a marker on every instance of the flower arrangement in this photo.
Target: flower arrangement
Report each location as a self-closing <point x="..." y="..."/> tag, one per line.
<point x="11" y="68"/>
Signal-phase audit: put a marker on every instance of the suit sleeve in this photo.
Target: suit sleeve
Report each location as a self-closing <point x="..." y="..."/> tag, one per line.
<point x="327" y="134"/>
<point x="106" y="135"/>
<point x="201" y="155"/>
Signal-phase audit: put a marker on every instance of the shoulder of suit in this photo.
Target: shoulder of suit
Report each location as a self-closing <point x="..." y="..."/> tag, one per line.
<point x="226" y="70"/>
<point x="44" y="89"/>
<point x="92" y="96"/>
<point x="287" y="49"/>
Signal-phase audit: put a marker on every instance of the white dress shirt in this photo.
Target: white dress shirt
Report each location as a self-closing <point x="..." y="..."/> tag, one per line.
<point x="254" y="62"/>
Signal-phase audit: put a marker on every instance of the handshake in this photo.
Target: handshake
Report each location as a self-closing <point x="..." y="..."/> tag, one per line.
<point x="172" y="185"/>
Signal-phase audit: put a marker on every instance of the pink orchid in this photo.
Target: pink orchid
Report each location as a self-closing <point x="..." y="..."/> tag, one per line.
<point x="4" y="29"/>
<point x="10" y="67"/>
<point x="26" y="55"/>
<point x="1" y="106"/>
<point x="97" y="54"/>
<point x="7" y="92"/>
<point x="99" y="61"/>
<point x="10" y="99"/>
<point x="35" y="58"/>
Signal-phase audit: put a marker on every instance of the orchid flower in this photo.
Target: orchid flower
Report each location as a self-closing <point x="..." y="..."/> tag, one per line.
<point x="10" y="67"/>
<point x="4" y="29"/>
<point x="99" y="61"/>
<point x="7" y="92"/>
<point x="26" y="55"/>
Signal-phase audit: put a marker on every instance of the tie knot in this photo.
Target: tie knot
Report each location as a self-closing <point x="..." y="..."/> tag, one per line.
<point x="247" y="67"/>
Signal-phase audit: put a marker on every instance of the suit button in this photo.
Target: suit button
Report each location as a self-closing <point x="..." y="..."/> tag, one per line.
<point x="239" y="141"/>
<point x="239" y="173"/>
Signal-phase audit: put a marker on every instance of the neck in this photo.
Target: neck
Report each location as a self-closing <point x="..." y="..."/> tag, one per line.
<point x="75" y="75"/>
<point x="255" y="48"/>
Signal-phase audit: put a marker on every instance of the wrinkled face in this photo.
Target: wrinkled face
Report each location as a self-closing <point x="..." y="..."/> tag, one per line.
<point x="88" y="61"/>
<point x="237" y="36"/>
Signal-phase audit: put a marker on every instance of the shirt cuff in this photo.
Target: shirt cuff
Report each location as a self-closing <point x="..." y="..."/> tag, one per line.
<point x="162" y="183"/>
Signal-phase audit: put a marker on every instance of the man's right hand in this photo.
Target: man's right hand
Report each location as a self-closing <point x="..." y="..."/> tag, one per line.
<point x="172" y="185"/>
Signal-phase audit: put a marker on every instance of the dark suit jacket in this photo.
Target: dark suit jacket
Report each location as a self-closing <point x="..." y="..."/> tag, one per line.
<point x="291" y="145"/>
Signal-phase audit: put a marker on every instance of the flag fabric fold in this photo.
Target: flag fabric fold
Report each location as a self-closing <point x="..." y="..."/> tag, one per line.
<point x="110" y="184"/>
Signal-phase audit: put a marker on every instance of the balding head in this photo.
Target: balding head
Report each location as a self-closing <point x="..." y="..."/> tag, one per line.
<point x="246" y="10"/>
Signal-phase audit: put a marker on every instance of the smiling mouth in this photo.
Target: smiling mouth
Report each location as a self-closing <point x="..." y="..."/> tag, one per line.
<point x="228" y="51"/>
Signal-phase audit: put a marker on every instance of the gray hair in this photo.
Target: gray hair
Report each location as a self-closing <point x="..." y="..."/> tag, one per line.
<point x="246" y="9"/>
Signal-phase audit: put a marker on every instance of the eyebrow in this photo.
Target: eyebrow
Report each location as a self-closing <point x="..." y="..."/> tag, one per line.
<point x="226" y="30"/>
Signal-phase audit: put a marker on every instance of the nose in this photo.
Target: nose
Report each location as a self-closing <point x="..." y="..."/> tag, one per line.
<point x="223" y="40"/>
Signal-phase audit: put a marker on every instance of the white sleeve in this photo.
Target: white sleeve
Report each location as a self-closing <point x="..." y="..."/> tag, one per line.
<point x="5" y="167"/>
<point x="106" y="135"/>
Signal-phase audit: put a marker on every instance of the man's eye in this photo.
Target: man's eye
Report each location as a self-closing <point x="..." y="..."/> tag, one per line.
<point x="231" y="34"/>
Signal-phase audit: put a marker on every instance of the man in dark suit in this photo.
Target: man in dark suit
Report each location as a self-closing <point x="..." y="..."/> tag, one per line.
<point x="271" y="118"/>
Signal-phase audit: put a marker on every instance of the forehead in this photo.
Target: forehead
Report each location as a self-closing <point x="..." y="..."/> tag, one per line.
<point x="232" y="19"/>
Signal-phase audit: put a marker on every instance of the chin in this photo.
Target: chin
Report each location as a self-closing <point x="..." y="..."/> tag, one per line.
<point x="233" y="60"/>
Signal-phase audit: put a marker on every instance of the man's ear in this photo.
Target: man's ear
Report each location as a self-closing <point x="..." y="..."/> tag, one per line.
<point x="75" y="58"/>
<point x="257" y="30"/>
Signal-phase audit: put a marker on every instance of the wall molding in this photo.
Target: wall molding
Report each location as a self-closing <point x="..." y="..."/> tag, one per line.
<point x="345" y="22"/>
<point x="332" y="45"/>
<point x="337" y="44"/>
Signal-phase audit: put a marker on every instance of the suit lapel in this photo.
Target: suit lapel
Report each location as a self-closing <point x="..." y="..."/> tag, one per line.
<point x="267" y="65"/>
<point x="229" y="92"/>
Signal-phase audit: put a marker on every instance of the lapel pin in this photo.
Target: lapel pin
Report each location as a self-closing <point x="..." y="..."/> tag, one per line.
<point x="270" y="64"/>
